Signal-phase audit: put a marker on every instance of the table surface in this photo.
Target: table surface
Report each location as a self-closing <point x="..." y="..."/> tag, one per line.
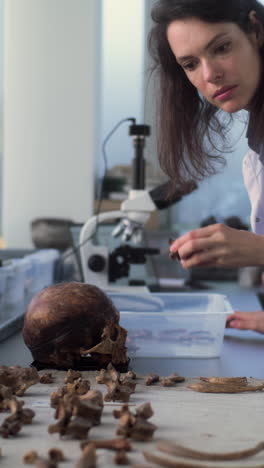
<point x="242" y="351"/>
<point x="207" y="422"/>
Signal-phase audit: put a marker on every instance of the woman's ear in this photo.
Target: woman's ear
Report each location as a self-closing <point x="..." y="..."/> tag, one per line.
<point x="257" y="28"/>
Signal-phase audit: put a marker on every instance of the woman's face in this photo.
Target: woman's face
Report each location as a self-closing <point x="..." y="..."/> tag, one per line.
<point x="219" y="59"/>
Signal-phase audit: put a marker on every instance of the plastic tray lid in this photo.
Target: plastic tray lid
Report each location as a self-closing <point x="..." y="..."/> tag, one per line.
<point x="139" y="303"/>
<point x="191" y="303"/>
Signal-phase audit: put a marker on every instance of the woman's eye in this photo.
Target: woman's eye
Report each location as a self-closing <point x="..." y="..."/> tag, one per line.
<point x="190" y="66"/>
<point x="223" y="48"/>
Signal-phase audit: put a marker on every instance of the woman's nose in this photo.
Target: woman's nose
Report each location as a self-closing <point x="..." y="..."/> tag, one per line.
<point x="211" y="72"/>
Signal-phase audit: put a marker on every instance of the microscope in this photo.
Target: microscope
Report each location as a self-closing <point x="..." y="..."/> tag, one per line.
<point x="102" y="267"/>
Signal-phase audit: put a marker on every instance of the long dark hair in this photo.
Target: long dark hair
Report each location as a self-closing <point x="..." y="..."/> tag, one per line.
<point x="189" y="127"/>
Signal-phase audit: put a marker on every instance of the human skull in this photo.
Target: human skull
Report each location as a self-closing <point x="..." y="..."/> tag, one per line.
<point x="64" y="318"/>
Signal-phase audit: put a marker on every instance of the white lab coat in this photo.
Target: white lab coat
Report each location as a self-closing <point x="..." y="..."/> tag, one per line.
<point x="253" y="173"/>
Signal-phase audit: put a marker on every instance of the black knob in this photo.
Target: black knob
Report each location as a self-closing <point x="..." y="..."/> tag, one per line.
<point x="139" y="130"/>
<point x="96" y="263"/>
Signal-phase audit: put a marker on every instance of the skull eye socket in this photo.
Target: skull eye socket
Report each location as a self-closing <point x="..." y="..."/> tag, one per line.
<point x="114" y="333"/>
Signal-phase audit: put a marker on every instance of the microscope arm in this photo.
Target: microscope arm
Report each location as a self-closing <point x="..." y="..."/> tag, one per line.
<point x="94" y="258"/>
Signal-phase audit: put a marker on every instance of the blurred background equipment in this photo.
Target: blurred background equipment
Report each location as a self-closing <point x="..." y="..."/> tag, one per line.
<point x="51" y="233"/>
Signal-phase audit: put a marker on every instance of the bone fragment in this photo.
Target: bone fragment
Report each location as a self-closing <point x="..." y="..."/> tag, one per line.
<point x="30" y="457"/>
<point x="121" y="458"/>
<point x="135" y="425"/>
<point x="170" y="463"/>
<point x="56" y="455"/>
<point x="172" y="380"/>
<point x="225" y="380"/>
<point x="175" y="449"/>
<point x="206" y="387"/>
<point x="46" y="378"/>
<point x="88" y="457"/>
<point x="119" y="443"/>
<point x="151" y="378"/>
<point x="118" y="389"/>
<point x="72" y="375"/>
<point x="18" y="378"/>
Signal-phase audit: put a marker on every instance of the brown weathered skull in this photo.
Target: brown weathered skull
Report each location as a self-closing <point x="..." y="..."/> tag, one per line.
<point x="65" y="318"/>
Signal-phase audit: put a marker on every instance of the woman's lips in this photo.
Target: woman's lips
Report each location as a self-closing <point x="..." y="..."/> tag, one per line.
<point x="225" y="93"/>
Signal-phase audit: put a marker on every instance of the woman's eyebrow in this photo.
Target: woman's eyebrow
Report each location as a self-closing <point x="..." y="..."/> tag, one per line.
<point x="215" y="38"/>
<point x="210" y="43"/>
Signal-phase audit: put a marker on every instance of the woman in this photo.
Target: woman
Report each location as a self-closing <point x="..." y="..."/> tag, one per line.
<point x="209" y="56"/>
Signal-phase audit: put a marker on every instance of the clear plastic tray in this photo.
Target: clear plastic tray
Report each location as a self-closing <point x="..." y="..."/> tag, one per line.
<point x="173" y="324"/>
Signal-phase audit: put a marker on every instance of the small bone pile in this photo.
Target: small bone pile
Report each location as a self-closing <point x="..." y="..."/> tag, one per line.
<point x="77" y="407"/>
<point x="169" y="381"/>
<point x="14" y="381"/>
<point x="19" y="416"/>
<point x="18" y="378"/>
<point x="118" y="388"/>
<point x="135" y="425"/>
<point x="54" y="457"/>
<point x="75" y="385"/>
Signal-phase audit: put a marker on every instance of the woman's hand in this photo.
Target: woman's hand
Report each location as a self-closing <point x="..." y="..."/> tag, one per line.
<point x="219" y="245"/>
<point x="246" y="321"/>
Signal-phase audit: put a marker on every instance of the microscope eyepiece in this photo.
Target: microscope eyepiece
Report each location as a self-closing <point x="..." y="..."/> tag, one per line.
<point x="139" y="130"/>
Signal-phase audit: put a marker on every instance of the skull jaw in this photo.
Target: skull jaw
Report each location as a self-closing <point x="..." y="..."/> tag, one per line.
<point x="59" y="357"/>
<point x="111" y="347"/>
<point x="65" y="352"/>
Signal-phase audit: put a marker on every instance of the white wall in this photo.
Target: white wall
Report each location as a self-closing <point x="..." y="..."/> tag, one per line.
<point x="122" y="73"/>
<point x="1" y="103"/>
<point x="51" y="111"/>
